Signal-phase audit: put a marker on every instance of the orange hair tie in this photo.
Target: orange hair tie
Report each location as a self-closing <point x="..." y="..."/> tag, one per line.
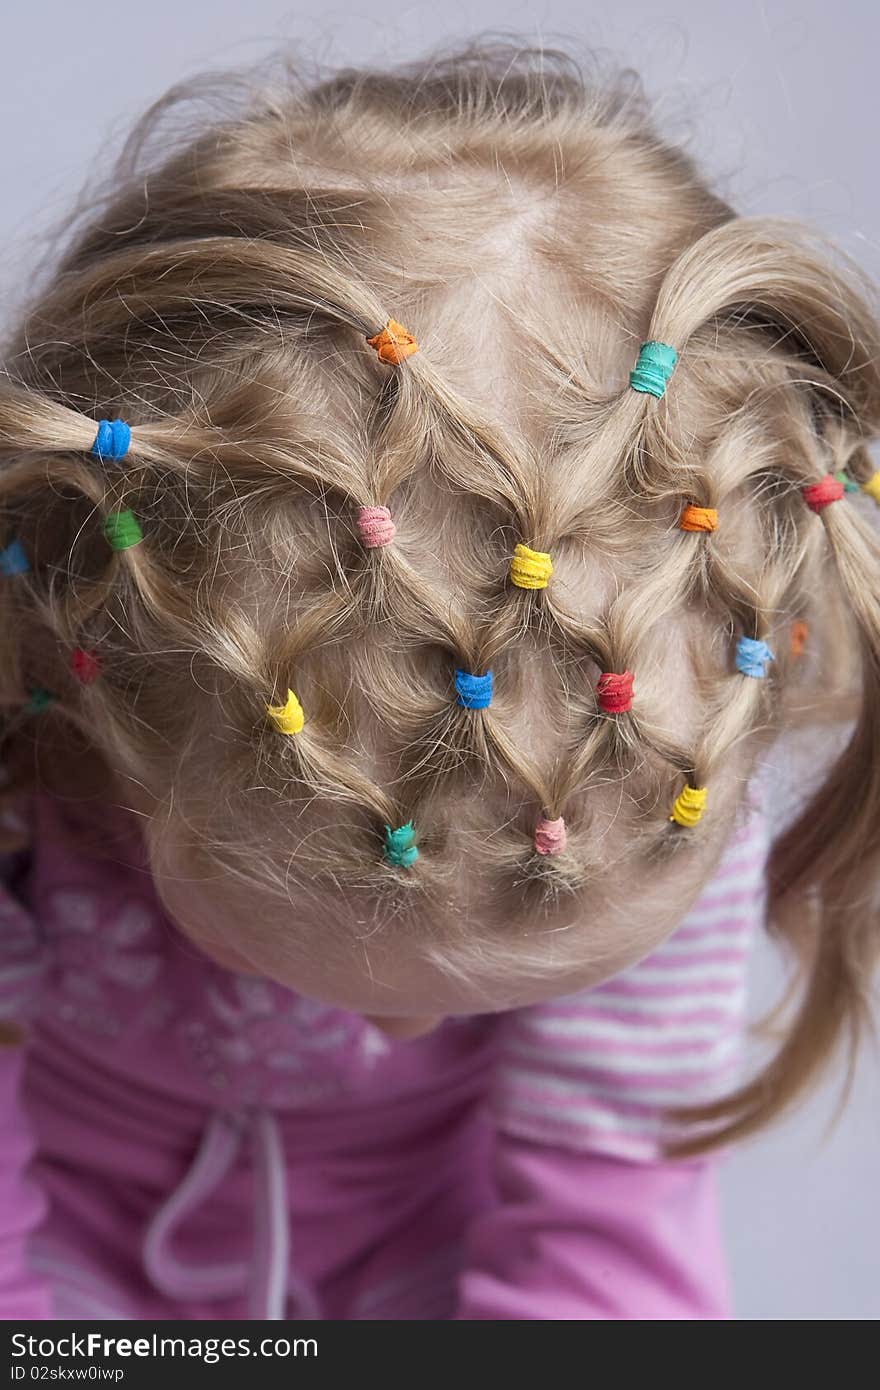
<point x="798" y="637"/>
<point x="393" y="343"/>
<point x="698" y="519"/>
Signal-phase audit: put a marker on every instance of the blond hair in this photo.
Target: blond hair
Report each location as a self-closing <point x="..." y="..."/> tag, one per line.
<point x="530" y="227"/>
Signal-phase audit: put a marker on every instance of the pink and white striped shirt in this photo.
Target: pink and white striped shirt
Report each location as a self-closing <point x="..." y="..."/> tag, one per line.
<point x="595" y="1070"/>
<point x="178" y="1141"/>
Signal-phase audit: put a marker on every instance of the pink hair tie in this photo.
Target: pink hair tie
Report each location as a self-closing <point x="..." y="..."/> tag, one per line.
<point x="376" y="527"/>
<point x="818" y="495"/>
<point x="615" y="692"/>
<point x="550" y="836"/>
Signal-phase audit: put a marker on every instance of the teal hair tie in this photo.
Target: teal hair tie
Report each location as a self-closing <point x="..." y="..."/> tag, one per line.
<point x="653" y="368"/>
<point x="400" y="849"/>
<point x="39" y="699"/>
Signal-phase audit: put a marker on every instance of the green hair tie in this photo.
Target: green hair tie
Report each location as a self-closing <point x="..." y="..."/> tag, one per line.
<point x="653" y="368"/>
<point x="38" y="700"/>
<point x="848" y="484"/>
<point x="400" y="849"/>
<point x="122" y="530"/>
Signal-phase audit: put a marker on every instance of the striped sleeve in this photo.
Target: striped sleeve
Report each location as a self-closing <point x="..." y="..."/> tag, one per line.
<point x="595" y="1070"/>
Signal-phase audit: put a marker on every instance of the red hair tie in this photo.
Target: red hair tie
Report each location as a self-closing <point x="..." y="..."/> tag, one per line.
<point x="819" y="495"/>
<point x="84" y="665"/>
<point x="615" y="692"/>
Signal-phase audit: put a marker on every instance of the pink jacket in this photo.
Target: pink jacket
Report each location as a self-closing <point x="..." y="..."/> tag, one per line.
<point x="179" y="1141"/>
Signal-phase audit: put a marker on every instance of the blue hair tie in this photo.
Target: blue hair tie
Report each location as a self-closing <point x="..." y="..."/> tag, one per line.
<point x="13" y="559"/>
<point x="474" y="692"/>
<point x="653" y="368"/>
<point x="112" y="439"/>
<point x="751" y="657"/>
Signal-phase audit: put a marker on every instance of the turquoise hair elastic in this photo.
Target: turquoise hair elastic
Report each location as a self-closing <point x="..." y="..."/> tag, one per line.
<point x="13" y="559"/>
<point x="400" y="848"/>
<point x="474" y="692"/>
<point x="653" y="368"/>
<point x="112" y="439"/>
<point x="752" y="657"/>
<point x="39" y="699"/>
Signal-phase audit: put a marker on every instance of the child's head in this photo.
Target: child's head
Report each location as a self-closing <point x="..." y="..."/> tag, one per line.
<point x="432" y="626"/>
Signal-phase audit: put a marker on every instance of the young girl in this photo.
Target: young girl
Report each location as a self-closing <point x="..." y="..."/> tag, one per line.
<point x="425" y="503"/>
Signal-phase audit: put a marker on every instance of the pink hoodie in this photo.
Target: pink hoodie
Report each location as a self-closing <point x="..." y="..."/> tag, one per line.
<point x="179" y="1141"/>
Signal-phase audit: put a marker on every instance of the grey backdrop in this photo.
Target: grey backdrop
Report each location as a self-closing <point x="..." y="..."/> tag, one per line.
<point x="779" y="100"/>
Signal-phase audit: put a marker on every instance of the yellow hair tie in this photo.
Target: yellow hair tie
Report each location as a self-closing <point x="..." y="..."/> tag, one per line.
<point x="872" y="487"/>
<point x="530" y="569"/>
<point x="287" y="718"/>
<point x="688" y="805"/>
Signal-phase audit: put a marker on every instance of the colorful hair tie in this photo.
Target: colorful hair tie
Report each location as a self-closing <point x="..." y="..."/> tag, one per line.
<point x="289" y="717"/>
<point x="13" y="559"/>
<point x="819" y="495"/>
<point x="85" y="665"/>
<point x="474" y="692"/>
<point x="112" y="439"/>
<point x="653" y="368"/>
<point x="530" y="569"/>
<point x="39" y="699"/>
<point x="872" y="487"/>
<point x="122" y="529"/>
<point x="698" y="518"/>
<point x="375" y="527"/>
<point x="393" y="343"/>
<point x="400" y="849"/>
<point x="688" y="805"/>
<point x="550" y="837"/>
<point x="848" y="484"/>
<point x="615" y="692"/>
<point x="798" y="637"/>
<point x="752" y="656"/>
